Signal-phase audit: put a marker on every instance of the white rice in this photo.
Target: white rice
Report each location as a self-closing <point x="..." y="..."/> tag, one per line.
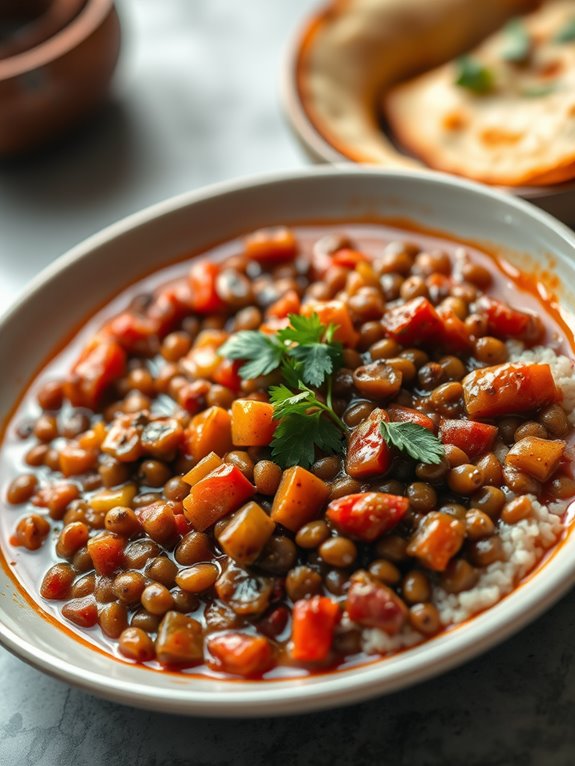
<point x="524" y="543"/>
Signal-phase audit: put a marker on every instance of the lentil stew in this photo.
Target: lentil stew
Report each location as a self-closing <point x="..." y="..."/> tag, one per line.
<point x="309" y="446"/>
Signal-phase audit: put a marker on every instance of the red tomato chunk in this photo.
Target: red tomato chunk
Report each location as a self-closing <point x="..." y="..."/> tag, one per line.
<point x="368" y="515"/>
<point x="313" y="626"/>
<point x="241" y="655"/>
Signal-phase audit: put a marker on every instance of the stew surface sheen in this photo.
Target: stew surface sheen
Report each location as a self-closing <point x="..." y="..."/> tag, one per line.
<point x="268" y="585"/>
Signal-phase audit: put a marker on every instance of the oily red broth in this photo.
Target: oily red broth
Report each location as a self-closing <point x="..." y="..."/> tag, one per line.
<point x="29" y="567"/>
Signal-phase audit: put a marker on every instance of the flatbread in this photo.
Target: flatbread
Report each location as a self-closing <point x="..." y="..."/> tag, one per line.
<point x="520" y="133"/>
<point x="356" y="49"/>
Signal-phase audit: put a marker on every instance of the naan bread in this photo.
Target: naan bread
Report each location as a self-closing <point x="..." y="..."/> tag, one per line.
<point x="356" y="49"/>
<point x="520" y="133"/>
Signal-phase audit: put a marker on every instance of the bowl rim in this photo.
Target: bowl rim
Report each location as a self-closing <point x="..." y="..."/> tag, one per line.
<point x="90" y="17"/>
<point x="318" y="144"/>
<point x="345" y="687"/>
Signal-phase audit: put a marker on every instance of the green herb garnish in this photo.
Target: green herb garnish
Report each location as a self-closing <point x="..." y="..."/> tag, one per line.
<point x="415" y="440"/>
<point x="471" y="74"/>
<point x="306" y="422"/>
<point x="517" y="46"/>
<point x="567" y="32"/>
<point x="308" y="356"/>
<point x="306" y="346"/>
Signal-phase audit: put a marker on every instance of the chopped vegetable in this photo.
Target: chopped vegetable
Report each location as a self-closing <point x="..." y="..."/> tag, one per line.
<point x="252" y="423"/>
<point x="537" y="457"/>
<point x="335" y="313"/>
<point x="314" y="622"/>
<point x="218" y="494"/>
<point x="206" y="465"/>
<point x="246" y="533"/>
<point x="506" y="322"/>
<point x="368" y="453"/>
<point x="508" y="388"/>
<point x="399" y="414"/>
<point x="436" y="540"/>
<point x="106" y="551"/>
<point x="367" y="515"/>
<point x="210" y="431"/>
<point x="374" y="605"/>
<point x="101" y="363"/>
<point x="203" y="278"/>
<point x="472" y="437"/>
<point x="241" y="655"/>
<point x="271" y="245"/>
<point x="413" y="322"/>
<point x="180" y="640"/>
<point x="300" y="498"/>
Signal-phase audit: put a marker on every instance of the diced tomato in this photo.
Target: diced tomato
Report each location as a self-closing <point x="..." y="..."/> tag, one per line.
<point x="348" y="258"/>
<point x="289" y="303"/>
<point x="367" y="451"/>
<point x="81" y="611"/>
<point x="241" y="654"/>
<point x="509" y="388"/>
<point x="221" y="492"/>
<point x="183" y="526"/>
<point x="454" y="336"/>
<point x="101" y="363"/>
<point x="271" y="245"/>
<point x="170" y="305"/>
<point x="373" y="605"/>
<point x="106" y="551"/>
<point x="399" y="414"/>
<point x="132" y="331"/>
<point x="436" y="540"/>
<point x="414" y="322"/>
<point x="367" y="515"/>
<point x="472" y="437"/>
<point x="334" y="312"/>
<point x="226" y="374"/>
<point x="505" y="322"/>
<point x="314" y="622"/>
<point x="203" y="282"/>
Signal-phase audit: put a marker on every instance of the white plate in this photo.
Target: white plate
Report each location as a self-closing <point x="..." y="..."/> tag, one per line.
<point x="84" y="278"/>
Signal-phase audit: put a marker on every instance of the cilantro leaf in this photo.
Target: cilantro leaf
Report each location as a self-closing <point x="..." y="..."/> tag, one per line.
<point x="566" y="34"/>
<point x="471" y="74"/>
<point x="293" y="442"/>
<point x="292" y="372"/>
<point x="298" y="435"/>
<point x="415" y="440"/>
<point x="517" y="46"/>
<point x="286" y="402"/>
<point x="318" y="361"/>
<point x="261" y="353"/>
<point x="302" y="329"/>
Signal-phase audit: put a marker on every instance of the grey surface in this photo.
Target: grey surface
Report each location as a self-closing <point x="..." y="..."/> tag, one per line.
<point x="196" y="102"/>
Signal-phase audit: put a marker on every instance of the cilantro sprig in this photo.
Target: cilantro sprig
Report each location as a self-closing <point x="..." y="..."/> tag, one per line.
<point x="307" y="355"/>
<point x="306" y="348"/>
<point x="306" y="422"/>
<point x="474" y="76"/>
<point x="517" y="46"/>
<point x="415" y="440"/>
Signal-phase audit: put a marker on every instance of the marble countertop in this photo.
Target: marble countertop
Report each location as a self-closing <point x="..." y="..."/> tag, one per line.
<point x="196" y="101"/>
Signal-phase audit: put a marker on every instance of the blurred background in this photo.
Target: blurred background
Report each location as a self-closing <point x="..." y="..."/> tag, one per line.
<point x="195" y="100"/>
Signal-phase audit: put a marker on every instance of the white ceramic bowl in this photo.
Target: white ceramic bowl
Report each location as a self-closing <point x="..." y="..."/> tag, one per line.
<point x="84" y="278"/>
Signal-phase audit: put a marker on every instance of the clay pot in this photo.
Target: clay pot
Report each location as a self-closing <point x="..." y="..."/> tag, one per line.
<point x="54" y="69"/>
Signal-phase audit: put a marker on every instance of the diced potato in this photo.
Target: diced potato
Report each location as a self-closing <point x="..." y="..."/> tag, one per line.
<point x="246" y="533"/>
<point x="206" y="465"/>
<point x="180" y="640"/>
<point x="106" y="499"/>
<point x="300" y="498"/>
<point x="508" y="388"/>
<point x="210" y="431"/>
<point x="252" y="423"/>
<point x="539" y="458"/>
